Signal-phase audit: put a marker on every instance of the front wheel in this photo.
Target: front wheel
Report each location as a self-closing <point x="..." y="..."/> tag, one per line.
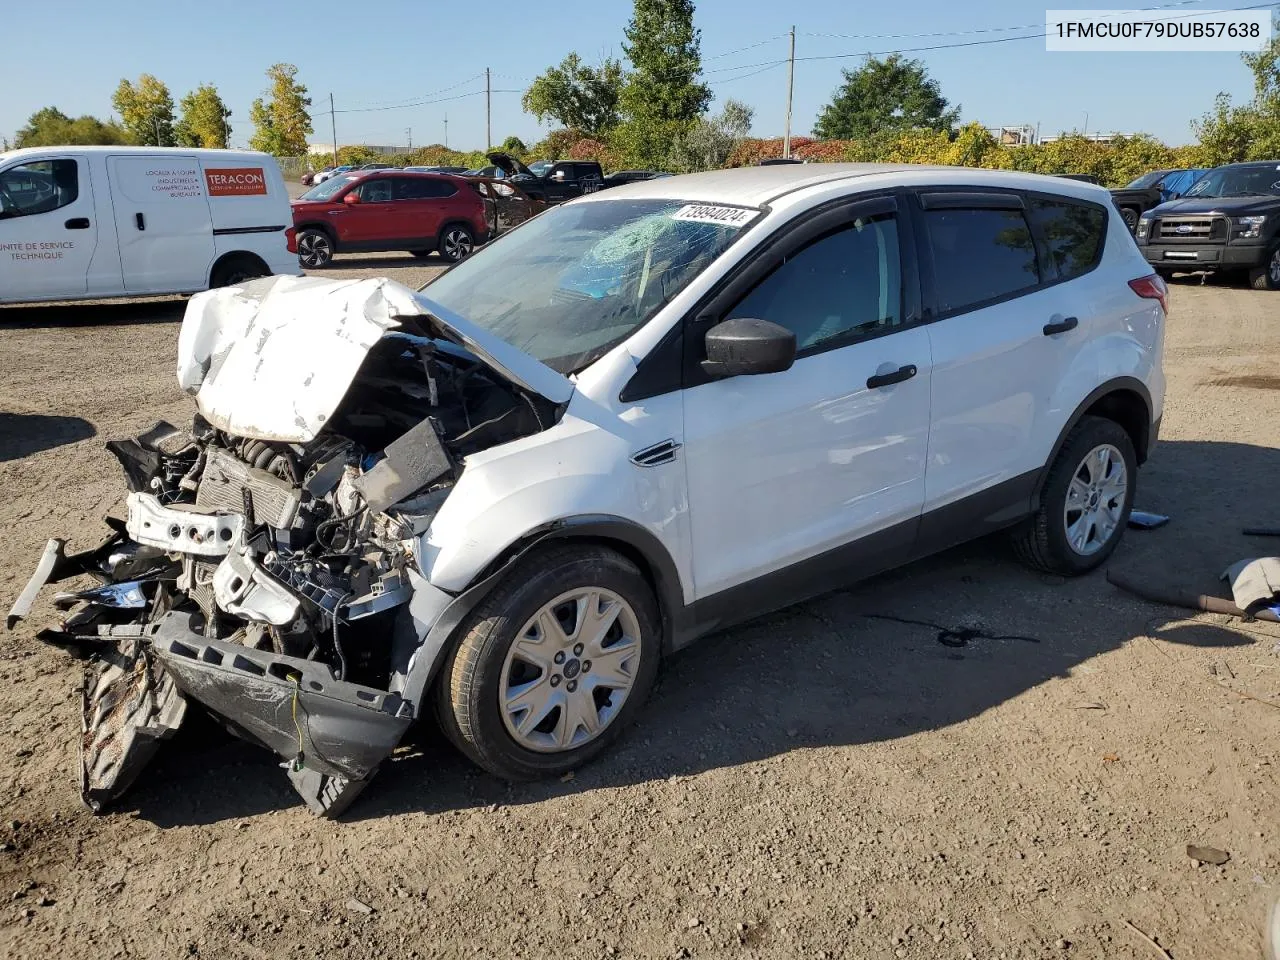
<point x="1267" y="277"/>
<point x="553" y="664"/>
<point x="1085" y="503"/>
<point x="456" y="242"/>
<point x="1130" y="218"/>
<point x="315" y="249"/>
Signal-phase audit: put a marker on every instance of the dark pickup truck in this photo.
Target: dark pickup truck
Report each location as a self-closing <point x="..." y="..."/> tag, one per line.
<point x="551" y="181"/>
<point x="1151" y="190"/>
<point x="1228" y="221"/>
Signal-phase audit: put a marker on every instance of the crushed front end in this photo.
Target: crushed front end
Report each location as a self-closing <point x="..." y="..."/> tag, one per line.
<point x="266" y="564"/>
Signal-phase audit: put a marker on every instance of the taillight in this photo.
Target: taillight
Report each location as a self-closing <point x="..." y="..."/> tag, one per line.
<point x="1152" y="287"/>
<point x="291" y="239"/>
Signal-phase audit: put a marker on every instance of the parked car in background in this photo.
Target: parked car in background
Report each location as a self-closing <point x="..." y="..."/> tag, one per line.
<point x="308" y="177"/>
<point x="552" y="181"/>
<point x="1151" y="190"/>
<point x="1228" y="221"/>
<point x="619" y="177"/>
<point x="459" y="171"/>
<point x="330" y="172"/>
<point x="97" y="222"/>
<point x="376" y="166"/>
<point x="490" y="172"/>
<point x="506" y="205"/>
<point x="388" y="210"/>
<point x="1081" y="178"/>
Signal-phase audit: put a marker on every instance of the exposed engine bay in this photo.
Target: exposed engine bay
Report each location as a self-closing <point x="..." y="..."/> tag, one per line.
<point x="273" y="580"/>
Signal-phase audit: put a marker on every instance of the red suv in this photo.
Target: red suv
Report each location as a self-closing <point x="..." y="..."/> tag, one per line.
<point x="388" y="210"/>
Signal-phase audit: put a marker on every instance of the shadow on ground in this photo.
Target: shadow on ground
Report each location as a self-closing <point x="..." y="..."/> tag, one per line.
<point x="380" y="263"/>
<point x="94" y="314"/>
<point x="22" y="434"/>
<point x="826" y="672"/>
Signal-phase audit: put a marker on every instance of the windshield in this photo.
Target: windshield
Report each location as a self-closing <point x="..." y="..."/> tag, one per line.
<point x="540" y="167"/>
<point x="1256" y="181"/>
<point x="1146" y="180"/>
<point x="578" y="279"/>
<point x="328" y="188"/>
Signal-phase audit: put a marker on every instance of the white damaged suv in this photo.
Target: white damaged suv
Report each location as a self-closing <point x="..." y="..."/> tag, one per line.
<point x="637" y="418"/>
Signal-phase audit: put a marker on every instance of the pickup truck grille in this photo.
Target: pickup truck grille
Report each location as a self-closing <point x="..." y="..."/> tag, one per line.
<point x="1212" y="229"/>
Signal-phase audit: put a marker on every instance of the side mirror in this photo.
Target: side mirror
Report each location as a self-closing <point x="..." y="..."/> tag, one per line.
<point x="352" y="198"/>
<point x="558" y="175"/>
<point x="743" y="346"/>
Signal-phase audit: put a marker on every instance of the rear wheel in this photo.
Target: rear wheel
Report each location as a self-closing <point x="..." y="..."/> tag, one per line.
<point x="1267" y="277"/>
<point x="1130" y="218"/>
<point x="236" y="270"/>
<point x="553" y="664"/>
<point x="1085" y="503"/>
<point x="315" y="249"/>
<point x="456" y="242"/>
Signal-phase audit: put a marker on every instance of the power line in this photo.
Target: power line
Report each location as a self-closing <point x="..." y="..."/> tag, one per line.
<point x="771" y="66"/>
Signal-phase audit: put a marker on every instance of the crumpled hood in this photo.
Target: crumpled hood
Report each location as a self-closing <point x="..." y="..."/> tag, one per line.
<point x="272" y="358"/>
<point x="510" y="165"/>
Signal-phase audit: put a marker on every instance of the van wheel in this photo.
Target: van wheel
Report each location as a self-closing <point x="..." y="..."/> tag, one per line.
<point x="552" y="664"/>
<point x="456" y="242"/>
<point x="315" y="249"/>
<point x="1085" y="503"/>
<point x="236" y="270"/>
<point x="1267" y="277"/>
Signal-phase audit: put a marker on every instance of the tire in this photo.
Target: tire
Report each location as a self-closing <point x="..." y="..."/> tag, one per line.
<point x="236" y="270"/>
<point x="456" y="242"/>
<point x="1042" y="542"/>
<point x="1267" y="277"/>
<point x="315" y="248"/>
<point x="1130" y="218"/>
<point x="489" y="663"/>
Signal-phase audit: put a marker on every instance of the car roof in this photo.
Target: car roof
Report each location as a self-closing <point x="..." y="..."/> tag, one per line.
<point x="201" y="153"/>
<point x="757" y="186"/>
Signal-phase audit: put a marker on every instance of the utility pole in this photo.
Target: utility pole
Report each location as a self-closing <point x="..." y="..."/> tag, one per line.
<point x="791" y="80"/>
<point x="446" y="131"/>
<point x="488" y="112"/>
<point x="333" y="127"/>
<point x="408" y="132"/>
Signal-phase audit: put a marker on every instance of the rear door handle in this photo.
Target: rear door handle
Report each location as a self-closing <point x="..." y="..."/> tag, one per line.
<point x="140" y="220"/>
<point x="887" y="379"/>
<point x="77" y="223"/>
<point x="1060" y="326"/>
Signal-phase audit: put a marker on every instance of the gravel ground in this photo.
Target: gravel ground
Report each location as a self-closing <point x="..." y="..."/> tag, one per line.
<point x="818" y="783"/>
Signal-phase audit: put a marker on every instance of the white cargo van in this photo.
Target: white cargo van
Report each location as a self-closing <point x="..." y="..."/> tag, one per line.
<point x="93" y="222"/>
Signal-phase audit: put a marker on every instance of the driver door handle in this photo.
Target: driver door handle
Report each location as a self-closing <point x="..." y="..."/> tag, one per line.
<point x="1060" y="326"/>
<point x="77" y="223"/>
<point x="887" y="379"/>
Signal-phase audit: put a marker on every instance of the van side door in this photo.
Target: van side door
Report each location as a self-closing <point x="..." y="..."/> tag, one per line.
<point x="163" y="222"/>
<point x="49" y="231"/>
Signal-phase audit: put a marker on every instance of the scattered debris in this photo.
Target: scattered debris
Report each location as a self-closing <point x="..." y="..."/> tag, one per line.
<point x="1254" y="583"/>
<point x="1155" y="946"/>
<point x="1208" y="854"/>
<point x="1110" y="758"/>
<point x="1188" y="601"/>
<point x="1088" y="706"/>
<point x="359" y="906"/>
<point x="951" y="636"/>
<point x="1145" y="520"/>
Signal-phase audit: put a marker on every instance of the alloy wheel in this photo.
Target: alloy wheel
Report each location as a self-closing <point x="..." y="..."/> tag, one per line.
<point x="1273" y="268"/>
<point x="570" y="669"/>
<point x="314" y="250"/>
<point x="1095" y="500"/>
<point x="457" y="244"/>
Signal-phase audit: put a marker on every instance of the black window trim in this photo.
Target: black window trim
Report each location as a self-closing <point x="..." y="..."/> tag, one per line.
<point x="940" y="198"/>
<point x="675" y="362"/>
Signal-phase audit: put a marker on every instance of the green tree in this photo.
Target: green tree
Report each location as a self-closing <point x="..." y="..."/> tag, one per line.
<point x="1250" y="131"/>
<point x="281" y="123"/>
<point x="664" y="48"/>
<point x="146" y="110"/>
<point x="204" y="120"/>
<point x="881" y="96"/>
<point x="710" y="141"/>
<point x="50" y="127"/>
<point x="514" y="146"/>
<point x="577" y="96"/>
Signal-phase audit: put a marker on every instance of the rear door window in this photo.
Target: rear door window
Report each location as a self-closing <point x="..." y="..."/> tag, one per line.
<point x="980" y="256"/>
<point x="1073" y="233"/>
<point x="423" y="188"/>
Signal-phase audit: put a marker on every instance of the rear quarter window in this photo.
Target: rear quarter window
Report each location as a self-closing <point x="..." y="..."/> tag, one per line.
<point x="1073" y="233"/>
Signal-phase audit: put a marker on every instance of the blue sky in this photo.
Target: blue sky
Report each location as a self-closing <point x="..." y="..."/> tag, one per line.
<point x="396" y="51"/>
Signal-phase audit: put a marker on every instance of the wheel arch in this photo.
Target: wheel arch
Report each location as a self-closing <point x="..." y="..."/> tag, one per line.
<point x="325" y="228"/>
<point x="1123" y="400"/>
<point x="233" y="255"/>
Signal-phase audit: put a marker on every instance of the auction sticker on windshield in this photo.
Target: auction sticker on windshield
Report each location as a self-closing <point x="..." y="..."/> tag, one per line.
<point x="708" y="213"/>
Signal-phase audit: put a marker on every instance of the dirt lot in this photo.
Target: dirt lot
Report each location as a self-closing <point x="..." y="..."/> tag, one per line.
<point x="816" y="784"/>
